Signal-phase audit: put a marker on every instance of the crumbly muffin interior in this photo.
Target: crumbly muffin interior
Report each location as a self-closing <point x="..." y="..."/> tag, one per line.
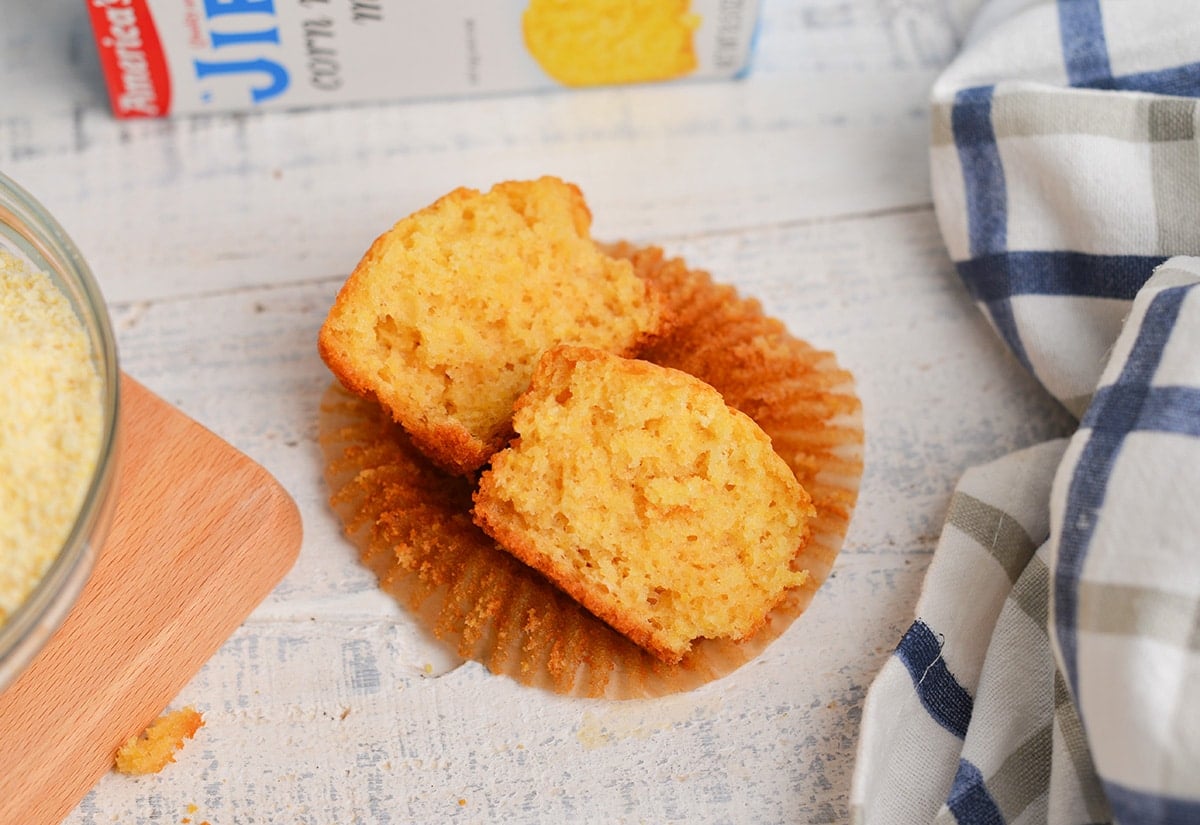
<point x="446" y="315"/>
<point x="640" y="492"/>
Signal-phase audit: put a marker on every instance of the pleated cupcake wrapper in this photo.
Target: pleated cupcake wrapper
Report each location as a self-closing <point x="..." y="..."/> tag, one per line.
<point x="412" y="523"/>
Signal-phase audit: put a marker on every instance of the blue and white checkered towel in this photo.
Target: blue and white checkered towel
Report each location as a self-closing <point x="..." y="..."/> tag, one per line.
<point x="1052" y="674"/>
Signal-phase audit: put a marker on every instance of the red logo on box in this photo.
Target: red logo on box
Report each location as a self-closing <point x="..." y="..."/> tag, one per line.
<point x="132" y="58"/>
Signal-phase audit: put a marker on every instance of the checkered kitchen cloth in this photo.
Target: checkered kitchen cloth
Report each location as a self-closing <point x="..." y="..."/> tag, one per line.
<point x="1052" y="674"/>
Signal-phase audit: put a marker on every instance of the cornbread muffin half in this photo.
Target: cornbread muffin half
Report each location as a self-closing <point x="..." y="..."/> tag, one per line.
<point x="640" y="493"/>
<point x="444" y="318"/>
<point x="595" y="42"/>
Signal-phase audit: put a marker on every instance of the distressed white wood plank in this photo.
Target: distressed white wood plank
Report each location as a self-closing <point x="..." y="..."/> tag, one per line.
<point x="358" y="742"/>
<point x="277" y="198"/>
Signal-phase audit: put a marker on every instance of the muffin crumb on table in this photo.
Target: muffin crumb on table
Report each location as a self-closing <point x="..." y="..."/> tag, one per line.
<point x="158" y="744"/>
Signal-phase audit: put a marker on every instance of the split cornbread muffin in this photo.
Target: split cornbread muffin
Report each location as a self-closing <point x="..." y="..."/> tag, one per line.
<point x="675" y="616"/>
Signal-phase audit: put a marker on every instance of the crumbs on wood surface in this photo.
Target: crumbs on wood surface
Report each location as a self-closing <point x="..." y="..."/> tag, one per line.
<point x="156" y="747"/>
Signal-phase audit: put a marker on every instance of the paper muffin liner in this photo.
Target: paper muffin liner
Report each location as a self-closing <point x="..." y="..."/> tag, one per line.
<point x="412" y="524"/>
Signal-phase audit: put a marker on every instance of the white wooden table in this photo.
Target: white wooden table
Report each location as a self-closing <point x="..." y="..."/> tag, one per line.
<point x="219" y="243"/>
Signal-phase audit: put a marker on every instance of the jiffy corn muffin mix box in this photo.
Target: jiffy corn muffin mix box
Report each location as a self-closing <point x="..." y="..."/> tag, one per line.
<point x="165" y="57"/>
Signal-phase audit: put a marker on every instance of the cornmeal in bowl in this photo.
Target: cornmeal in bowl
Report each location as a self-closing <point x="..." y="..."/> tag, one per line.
<point x="51" y="418"/>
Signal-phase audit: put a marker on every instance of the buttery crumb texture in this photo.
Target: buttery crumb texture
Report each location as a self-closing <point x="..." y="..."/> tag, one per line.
<point x="157" y="746"/>
<point x="593" y="42"/>
<point x="50" y="425"/>
<point x="639" y="492"/>
<point x="447" y="313"/>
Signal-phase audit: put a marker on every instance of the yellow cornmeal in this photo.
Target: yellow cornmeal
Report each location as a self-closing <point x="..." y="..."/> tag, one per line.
<point x="50" y="420"/>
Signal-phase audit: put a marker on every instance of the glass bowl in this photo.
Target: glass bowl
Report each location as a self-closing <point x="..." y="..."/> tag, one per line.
<point x="28" y="231"/>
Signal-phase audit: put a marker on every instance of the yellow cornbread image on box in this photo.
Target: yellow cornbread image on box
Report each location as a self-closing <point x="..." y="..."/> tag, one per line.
<point x="601" y="42"/>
